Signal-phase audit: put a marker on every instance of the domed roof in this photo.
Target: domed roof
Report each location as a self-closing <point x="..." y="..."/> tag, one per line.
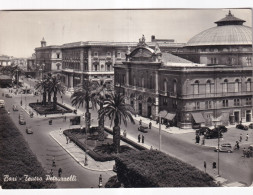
<point x="229" y="31"/>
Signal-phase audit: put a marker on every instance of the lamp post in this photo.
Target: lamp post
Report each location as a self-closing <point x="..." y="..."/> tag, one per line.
<point x="218" y="151"/>
<point x="85" y="158"/>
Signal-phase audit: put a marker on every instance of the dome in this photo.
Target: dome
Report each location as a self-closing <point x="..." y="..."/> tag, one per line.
<point x="229" y="31"/>
<point x="223" y="35"/>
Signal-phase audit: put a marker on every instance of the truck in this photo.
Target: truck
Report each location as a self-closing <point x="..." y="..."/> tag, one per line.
<point x="2" y="103"/>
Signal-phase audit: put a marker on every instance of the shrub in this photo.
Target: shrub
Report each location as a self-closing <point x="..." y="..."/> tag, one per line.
<point x="16" y="158"/>
<point x="113" y="182"/>
<point x="151" y="168"/>
<point x="48" y="109"/>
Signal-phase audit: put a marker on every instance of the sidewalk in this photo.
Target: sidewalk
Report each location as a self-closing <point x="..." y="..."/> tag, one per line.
<point x="79" y="155"/>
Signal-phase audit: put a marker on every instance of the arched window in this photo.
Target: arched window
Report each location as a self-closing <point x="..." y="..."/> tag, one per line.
<point x="165" y="85"/>
<point x="196" y="87"/>
<point x="175" y="86"/>
<point x="248" y="85"/>
<point x="108" y="67"/>
<point x="237" y="85"/>
<point x="208" y="87"/>
<point x="225" y="86"/>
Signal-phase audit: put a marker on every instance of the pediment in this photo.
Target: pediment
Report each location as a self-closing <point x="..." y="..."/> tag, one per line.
<point x="141" y="53"/>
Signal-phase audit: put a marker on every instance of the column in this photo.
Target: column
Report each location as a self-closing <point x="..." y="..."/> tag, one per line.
<point x="127" y="77"/>
<point x="81" y="64"/>
<point x="156" y="82"/>
<point x="71" y="82"/>
<point x="157" y="106"/>
<point x="89" y="61"/>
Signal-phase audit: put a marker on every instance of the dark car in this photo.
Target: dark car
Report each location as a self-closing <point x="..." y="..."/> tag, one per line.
<point x="202" y="130"/>
<point x="221" y="128"/>
<point x="142" y="129"/>
<point x="251" y="125"/>
<point x="29" y="130"/>
<point x="22" y="121"/>
<point x="213" y="134"/>
<point x="8" y="96"/>
<point x="196" y="126"/>
<point x="242" y="127"/>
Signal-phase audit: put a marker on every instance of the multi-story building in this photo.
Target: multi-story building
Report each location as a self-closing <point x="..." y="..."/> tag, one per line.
<point x="49" y="58"/>
<point x="5" y="60"/>
<point x="154" y="81"/>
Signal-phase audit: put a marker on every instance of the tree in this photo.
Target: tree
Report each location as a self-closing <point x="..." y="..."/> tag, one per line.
<point x="49" y="88"/>
<point x="117" y="110"/>
<point x="13" y="71"/>
<point x="102" y="93"/>
<point x="55" y="86"/>
<point x="42" y="85"/>
<point x="84" y="93"/>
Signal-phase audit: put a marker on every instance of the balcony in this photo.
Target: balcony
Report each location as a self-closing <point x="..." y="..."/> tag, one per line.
<point x="213" y="95"/>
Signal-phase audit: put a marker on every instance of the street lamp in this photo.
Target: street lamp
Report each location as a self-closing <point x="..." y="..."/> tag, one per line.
<point x="215" y="121"/>
<point x="85" y="158"/>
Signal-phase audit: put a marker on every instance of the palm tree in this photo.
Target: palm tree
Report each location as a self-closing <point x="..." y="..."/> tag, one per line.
<point x="85" y="93"/>
<point x="116" y="109"/>
<point x="55" y="86"/>
<point x="42" y="85"/>
<point x="49" y="88"/>
<point x="102" y="93"/>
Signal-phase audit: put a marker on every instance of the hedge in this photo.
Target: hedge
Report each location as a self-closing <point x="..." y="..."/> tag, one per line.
<point x="152" y="168"/>
<point x="16" y="158"/>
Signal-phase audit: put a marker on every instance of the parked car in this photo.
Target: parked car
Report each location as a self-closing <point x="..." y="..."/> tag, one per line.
<point x="241" y="126"/>
<point x="202" y="130"/>
<point x="196" y="126"/>
<point x="142" y="129"/>
<point x="8" y="95"/>
<point x="251" y="125"/>
<point x="28" y="130"/>
<point x="213" y="134"/>
<point x="221" y="128"/>
<point x="14" y="108"/>
<point x="224" y="148"/>
<point x="22" y="119"/>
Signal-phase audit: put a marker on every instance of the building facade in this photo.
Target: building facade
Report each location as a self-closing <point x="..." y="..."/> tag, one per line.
<point x="188" y="93"/>
<point x="5" y="60"/>
<point x="49" y="58"/>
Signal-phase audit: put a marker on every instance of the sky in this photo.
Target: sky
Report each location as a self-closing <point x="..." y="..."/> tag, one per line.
<point x="22" y="31"/>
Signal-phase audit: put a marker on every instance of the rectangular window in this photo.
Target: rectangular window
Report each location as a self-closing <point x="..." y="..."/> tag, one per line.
<point x="225" y="103"/>
<point x="165" y="101"/>
<point x="197" y="105"/>
<point x="58" y="55"/>
<point x="248" y="101"/>
<point x="236" y="102"/>
<point x="174" y="103"/>
<point x="95" y="54"/>
<point x="208" y="104"/>
<point x="119" y="55"/>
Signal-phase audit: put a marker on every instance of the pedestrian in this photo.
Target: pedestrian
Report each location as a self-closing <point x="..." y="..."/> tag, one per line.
<point x="140" y="122"/>
<point x="244" y="152"/>
<point x="53" y="162"/>
<point x="157" y="121"/>
<point x="67" y="139"/>
<point x="51" y="173"/>
<point x="59" y="172"/>
<point x="237" y="145"/>
<point x="150" y="125"/>
<point x="197" y="138"/>
<point x="240" y="138"/>
<point x="65" y="118"/>
<point x="142" y="140"/>
<point x="100" y="181"/>
<point x="205" y="166"/>
<point x="203" y="140"/>
<point x="139" y="138"/>
<point x="247" y="137"/>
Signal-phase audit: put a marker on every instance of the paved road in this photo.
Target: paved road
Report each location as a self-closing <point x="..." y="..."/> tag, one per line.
<point x="232" y="166"/>
<point x="45" y="148"/>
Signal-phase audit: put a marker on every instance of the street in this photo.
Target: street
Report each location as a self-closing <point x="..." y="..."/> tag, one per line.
<point x="232" y="166"/>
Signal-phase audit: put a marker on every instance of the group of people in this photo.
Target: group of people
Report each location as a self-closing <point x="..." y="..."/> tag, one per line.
<point x="141" y="138"/>
<point x="197" y="138"/>
<point x="54" y="165"/>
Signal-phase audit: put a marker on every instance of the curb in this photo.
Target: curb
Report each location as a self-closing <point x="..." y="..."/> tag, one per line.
<point x="75" y="157"/>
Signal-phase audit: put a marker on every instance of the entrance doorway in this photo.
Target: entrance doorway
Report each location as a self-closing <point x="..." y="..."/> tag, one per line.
<point x="237" y="118"/>
<point x="140" y="109"/>
<point x="149" y="111"/>
<point x="248" y="115"/>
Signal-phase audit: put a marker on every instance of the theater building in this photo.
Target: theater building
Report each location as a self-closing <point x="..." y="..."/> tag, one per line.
<point x="189" y="93"/>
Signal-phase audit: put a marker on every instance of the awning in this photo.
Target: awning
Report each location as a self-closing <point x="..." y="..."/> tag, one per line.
<point x="169" y="116"/>
<point x="163" y="113"/>
<point x="198" y="117"/>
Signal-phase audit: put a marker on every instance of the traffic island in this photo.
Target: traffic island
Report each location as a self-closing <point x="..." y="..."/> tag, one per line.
<point x="48" y="108"/>
<point x="99" y="150"/>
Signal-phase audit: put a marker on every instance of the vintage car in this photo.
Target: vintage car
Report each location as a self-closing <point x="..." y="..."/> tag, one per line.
<point x="202" y="130"/>
<point x="28" y="130"/>
<point x="242" y="127"/>
<point x="142" y="129"/>
<point x="210" y="134"/>
<point x="224" y="148"/>
<point x="8" y="95"/>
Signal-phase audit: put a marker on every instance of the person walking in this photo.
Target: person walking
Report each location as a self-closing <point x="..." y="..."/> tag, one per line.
<point x="139" y="138"/>
<point x="53" y="162"/>
<point x="100" y="180"/>
<point x="203" y="140"/>
<point x="247" y="137"/>
<point x="59" y="172"/>
<point x="240" y="139"/>
<point x="67" y="139"/>
<point x="142" y="140"/>
<point x="244" y="152"/>
<point x="150" y="125"/>
<point x="51" y="173"/>
<point x="140" y="122"/>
